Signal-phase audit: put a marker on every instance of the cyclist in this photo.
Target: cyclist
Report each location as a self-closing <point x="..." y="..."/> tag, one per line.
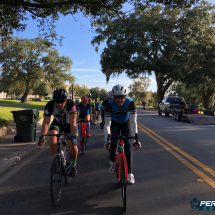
<point x="93" y="110"/>
<point x="121" y="114"/>
<point x="110" y="96"/>
<point x="84" y="112"/>
<point x="96" y="109"/>
<point x="77" y="102"/>
<point x="65" y="116"/>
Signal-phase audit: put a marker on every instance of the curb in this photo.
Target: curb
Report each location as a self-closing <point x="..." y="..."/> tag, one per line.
<point x="20" y="156"/>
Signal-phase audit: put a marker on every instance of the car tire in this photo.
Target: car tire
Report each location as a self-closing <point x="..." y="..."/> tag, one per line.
<point x="177" y="117"/>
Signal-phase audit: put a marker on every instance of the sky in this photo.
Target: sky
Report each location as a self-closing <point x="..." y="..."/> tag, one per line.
<point x="76" y="44"/>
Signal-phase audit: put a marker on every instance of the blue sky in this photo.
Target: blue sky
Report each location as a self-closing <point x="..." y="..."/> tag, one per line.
<point x="77" y="45"/>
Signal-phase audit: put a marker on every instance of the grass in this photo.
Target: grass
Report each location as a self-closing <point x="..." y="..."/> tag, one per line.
<point x="5" y="113"/>
<point x="19" y="104"/>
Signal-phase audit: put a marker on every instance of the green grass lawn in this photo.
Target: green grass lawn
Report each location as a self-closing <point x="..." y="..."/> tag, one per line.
<point x="18" y="103"/>
<point x="5" y="113"/>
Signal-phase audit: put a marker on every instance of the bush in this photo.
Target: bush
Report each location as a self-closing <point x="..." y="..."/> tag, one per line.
<point x="3" y="122"/>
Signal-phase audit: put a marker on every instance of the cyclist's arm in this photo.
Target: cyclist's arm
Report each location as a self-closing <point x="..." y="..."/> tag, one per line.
<point x="72" y="118"/>
<point x="133" y="118"/>
<point x="107" y="116"/>
<point x="45" y="125"/>
<point x="73" y="123"/>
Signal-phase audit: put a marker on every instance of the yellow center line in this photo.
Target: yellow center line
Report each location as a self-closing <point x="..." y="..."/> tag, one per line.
<point x="198" y="163"/>
<point x="208" y="180"/>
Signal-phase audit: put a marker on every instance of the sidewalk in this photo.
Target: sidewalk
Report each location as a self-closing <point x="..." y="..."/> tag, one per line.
<point x="11" y="152"/>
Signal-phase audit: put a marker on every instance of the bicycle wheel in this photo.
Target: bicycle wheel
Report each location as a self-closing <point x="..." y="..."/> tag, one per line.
<point x="123" y="181"/>
<point x="83" y="142"/>
<point x="56" y="178"/>
<point x="67" y="173"/>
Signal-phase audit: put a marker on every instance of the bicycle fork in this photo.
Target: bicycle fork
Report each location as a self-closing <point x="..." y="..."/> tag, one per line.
<point x="121" y="154"/>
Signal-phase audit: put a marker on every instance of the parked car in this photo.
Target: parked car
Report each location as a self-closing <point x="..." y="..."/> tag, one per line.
<point x="37" y="99"/>
<point x="164" y="106"/>
<point x="21" y="99"/>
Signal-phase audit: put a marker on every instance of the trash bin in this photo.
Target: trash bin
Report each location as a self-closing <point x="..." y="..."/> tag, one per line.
<point x="26" y="124"/>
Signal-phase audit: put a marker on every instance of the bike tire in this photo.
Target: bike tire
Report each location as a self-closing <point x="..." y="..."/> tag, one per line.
<point x="56" y="179"/>
<point x="67" y="173"/>
<point x="123" y="181"/>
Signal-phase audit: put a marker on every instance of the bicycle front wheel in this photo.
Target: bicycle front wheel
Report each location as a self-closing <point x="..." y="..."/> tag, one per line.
<point x="56" y="178"/>
<point x="67" y="173"/>
<point x="123" y="182"/>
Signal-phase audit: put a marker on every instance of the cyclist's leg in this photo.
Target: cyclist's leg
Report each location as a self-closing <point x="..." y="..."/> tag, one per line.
<point x="73" y="149"/>
<point x="87" y="118"/>
<point x="128" y="150"/>
<point x="54" y="128"/>
<point x="114" y="133"/>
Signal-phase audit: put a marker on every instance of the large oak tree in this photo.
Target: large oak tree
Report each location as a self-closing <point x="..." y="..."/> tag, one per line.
<point x="13" y="13"/>
<point x="31" y="62"/>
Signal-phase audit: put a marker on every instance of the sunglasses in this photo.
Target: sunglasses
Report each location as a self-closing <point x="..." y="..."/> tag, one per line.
<point x="119" y="97"/>
<point x="60" y="101"/>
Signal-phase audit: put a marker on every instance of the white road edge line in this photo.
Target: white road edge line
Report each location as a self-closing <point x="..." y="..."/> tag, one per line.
<point x="19" y="166"/>
<point x="212" y="125"/>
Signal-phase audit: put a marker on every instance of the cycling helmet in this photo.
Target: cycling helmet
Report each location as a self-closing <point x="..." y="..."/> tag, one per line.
<point x="119" y="90"/>
<point x="60" y="94"/>
<point x="77" y="101"/>
<point x="84" y="99"/>
<point x="110" y="95"/>
<point x="90" y="100"/>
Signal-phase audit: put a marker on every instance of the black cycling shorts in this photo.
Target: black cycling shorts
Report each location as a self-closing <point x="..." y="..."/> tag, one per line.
<point x="59" y="127"/>
<point x="96" y="109"/>
<point x="81" y="116"/>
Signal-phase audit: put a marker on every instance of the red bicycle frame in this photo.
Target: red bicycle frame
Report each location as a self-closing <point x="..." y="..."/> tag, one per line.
<point x="119" y="164"/>
<point x="85" y="133"/>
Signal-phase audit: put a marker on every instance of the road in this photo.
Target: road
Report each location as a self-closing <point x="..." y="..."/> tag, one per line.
<point x="173" y="156"/>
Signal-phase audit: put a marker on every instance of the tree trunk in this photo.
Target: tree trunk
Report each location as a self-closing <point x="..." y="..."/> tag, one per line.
<point x="24" y="97"/>
<point x="161" y="88"/>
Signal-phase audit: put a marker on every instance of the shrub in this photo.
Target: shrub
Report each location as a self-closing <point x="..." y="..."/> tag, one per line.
<point x="3" y="122"/>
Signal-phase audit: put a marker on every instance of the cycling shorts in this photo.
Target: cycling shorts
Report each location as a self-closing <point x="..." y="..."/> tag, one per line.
<point x="56" y="126"/>
<point x="81" y="116"/>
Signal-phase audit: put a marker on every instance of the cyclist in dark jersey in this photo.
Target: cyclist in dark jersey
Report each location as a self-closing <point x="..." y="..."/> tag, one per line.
<point x="97" y="109"/>
<point x="110" y="96"/>
<point x="84" y="111"/>
<point x="65" y="116"/>
<point x="121" y="114"/>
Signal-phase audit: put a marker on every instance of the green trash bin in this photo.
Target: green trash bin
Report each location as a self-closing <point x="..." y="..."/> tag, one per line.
<point x="26" y="125"/>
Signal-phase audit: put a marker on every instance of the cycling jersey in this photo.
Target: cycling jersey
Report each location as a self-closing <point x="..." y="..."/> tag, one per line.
<point x="103" y="107"/>
<point x="97" y="105"/>
<point x="92" y="105"/>
<point x="61" y="116"/>
<point x="120" y="114"/>
<point x="84" y="110"/>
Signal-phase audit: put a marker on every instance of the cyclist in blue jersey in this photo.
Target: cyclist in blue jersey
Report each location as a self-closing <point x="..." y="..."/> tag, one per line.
<point x="121" y="115"/>
<point x="84" y="111"/>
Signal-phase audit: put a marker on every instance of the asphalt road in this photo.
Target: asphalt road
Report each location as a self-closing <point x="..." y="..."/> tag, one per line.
<point x="173" y="156"/>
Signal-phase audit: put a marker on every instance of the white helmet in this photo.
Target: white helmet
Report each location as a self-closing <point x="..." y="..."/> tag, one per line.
<point x="119" y="90"/>
<point x="110" y="95"/>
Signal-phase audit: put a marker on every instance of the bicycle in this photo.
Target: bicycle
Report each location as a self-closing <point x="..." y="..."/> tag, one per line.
<point x="83" y="135"/>
<point x="121" y="166"/>
<point x="59" y="168"/>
